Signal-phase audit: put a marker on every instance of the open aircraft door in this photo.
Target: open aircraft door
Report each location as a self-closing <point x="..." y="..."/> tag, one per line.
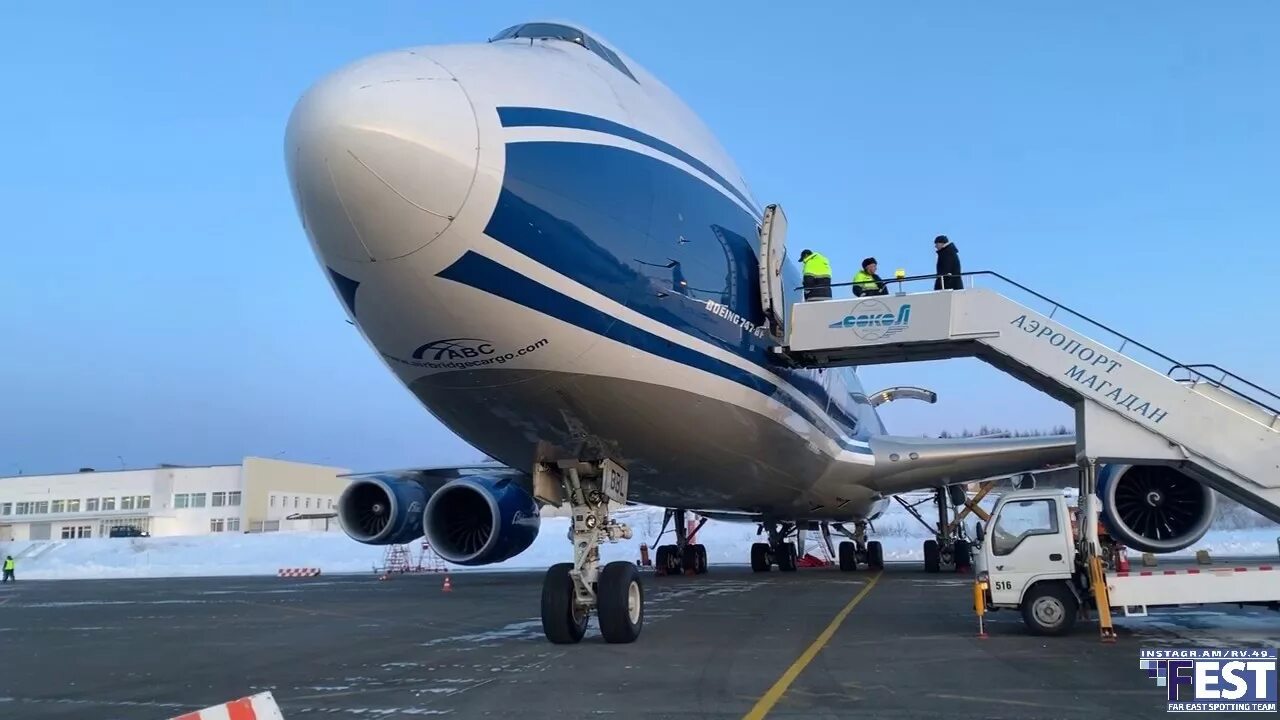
<point x="773" y="253"/>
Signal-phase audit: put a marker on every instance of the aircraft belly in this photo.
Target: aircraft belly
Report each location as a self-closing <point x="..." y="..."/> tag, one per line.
<point x="681" y="449"/>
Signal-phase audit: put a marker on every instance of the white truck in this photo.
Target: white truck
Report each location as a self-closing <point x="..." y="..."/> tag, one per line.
<point x="1029" y="559"/>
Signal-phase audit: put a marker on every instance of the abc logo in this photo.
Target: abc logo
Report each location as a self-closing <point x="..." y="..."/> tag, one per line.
<point x="454" y="349"/>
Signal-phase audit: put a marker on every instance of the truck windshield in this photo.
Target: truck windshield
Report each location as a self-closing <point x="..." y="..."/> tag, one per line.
<point x="1020" y="520"/>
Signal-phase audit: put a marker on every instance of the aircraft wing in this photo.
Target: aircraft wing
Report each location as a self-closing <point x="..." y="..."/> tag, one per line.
<point x="434" y="478"/>
<point x="907" y="463"/>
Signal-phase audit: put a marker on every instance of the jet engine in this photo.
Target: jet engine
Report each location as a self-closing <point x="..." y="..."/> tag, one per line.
<point x="1154" y="508"/>
<point x="480" y="520"/>
<point x="382" y="512"/>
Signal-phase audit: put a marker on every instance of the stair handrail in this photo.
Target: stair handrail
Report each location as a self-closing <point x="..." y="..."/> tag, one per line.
<point x="1193" y="369"/>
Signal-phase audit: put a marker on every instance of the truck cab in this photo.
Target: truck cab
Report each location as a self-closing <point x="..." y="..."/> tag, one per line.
<point x="1027" y="560"/>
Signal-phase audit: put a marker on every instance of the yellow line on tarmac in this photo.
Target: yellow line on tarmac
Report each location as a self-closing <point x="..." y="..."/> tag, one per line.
<point x="775" y="693"/>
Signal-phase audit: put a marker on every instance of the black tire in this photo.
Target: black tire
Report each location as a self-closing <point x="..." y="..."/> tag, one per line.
<point x="760" y="557"/>
<point x="562" y="622"/>
<point x="689" y="560"/>
<point x="932" y="558"/>
<point x="660" y="560"/>
<point x="956" y="494"/>
<point x="620" y="602"/>
<point x="702" y="559"/>
<point x="673" y="560"/>
<point x="963" y="556"/>
<point x="1050" y="608"/>
<point x="847" y="553"/>
<point x="875" y="555"/>
<point x="787" y="557"/>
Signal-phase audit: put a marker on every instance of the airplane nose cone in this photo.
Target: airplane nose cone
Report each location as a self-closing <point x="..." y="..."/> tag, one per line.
<point x="381" y="157"/>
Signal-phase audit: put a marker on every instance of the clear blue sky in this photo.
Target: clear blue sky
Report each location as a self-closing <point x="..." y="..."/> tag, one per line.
<point x="160" y="303"/>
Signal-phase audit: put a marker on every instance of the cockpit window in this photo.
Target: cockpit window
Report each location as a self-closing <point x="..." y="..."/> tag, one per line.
<point x="553" y="31"/>
<point x="609" y="57"/>
<point x="542" y="30"/>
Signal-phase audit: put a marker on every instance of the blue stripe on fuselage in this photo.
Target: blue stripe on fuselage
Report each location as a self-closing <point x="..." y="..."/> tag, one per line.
<point x="480" y="272"/>
<point x="664" y="242"/>
<point x="546" y="117"/>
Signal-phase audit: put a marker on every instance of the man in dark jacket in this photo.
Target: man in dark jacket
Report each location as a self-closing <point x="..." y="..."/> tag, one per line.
<point x="948" y="265"/>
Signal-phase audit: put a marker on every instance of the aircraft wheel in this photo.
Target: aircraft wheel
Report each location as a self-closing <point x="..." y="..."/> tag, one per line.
<point x="660" y="560"/>
<point x="760" y="557"/>
<point x="675" y="563"/>
<point x="932" y="558"/>
<point x="689" y="560"/>
<point x="963" y="558"/>
<point x="848" y="556"/>
<point x="787" y="557"/>
<point x="875" y="555"/>
<point x="702" y="559"/>
<point x="620" y="601"/>
<point x="563" y="622"/>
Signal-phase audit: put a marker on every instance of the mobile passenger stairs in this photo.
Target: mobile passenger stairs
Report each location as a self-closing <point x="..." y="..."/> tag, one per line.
<point x="1201" y="420"/>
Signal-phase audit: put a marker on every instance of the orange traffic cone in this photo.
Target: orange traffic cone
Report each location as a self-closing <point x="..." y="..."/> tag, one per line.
<point x="448" y="586"/>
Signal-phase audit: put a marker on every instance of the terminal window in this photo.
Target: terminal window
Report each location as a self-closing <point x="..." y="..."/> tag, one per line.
<point x="6" y="508"/>
<point x="216" y="525"/>
<point x="91" y="505"/>
<point x="144" y="502"/>
<point x="219" y="499"/>
<point x="59" y="506"/>
<point x="233" y="524"/>
<point x="181" y="500"/>
<point x="233" y="498"/>
<point x="73" y="506"/>
<point x="126" y="502"/>
<point x="197" y="499"/>
<point x="109" y="503"/>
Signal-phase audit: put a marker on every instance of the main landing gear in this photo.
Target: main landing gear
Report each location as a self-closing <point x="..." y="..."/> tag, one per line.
<point x="571" y="591"/>
<point x="950" y="550"/>
<point x="684" y="556"/>
<point x="858" y="550"/>
<point x="778" y="550"/>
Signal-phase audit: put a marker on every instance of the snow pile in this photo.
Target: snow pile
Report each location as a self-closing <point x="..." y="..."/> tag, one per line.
<point x="333" y="552"/>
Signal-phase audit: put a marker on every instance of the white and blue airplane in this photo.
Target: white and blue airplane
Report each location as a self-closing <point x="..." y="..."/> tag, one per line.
<point x="557" y="258"/>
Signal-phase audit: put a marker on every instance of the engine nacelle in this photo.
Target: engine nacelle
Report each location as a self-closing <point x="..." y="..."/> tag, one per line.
<point x="382" y="512"/>
<point x="1154" y="508"/>
<point x="480" y="520"/>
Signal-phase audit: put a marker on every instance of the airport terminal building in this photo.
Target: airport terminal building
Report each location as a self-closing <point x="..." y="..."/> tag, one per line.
<point x="258" y="495"/>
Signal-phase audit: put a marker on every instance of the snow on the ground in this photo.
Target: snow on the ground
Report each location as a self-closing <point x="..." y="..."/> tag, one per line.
<point x="333" y="552"/>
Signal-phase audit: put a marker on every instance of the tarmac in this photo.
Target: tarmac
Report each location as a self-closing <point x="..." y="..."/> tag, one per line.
<point x="818" y="643"/>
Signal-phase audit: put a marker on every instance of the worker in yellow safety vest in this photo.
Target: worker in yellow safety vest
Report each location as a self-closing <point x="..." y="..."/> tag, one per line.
<point x="8" y="569"/>
<point x="867" y="282"/>
<point x="817" y="275"/>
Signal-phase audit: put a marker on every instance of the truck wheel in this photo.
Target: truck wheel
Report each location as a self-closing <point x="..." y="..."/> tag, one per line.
<point x="932" y="559"/>
<point x="1049" y="609"/>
